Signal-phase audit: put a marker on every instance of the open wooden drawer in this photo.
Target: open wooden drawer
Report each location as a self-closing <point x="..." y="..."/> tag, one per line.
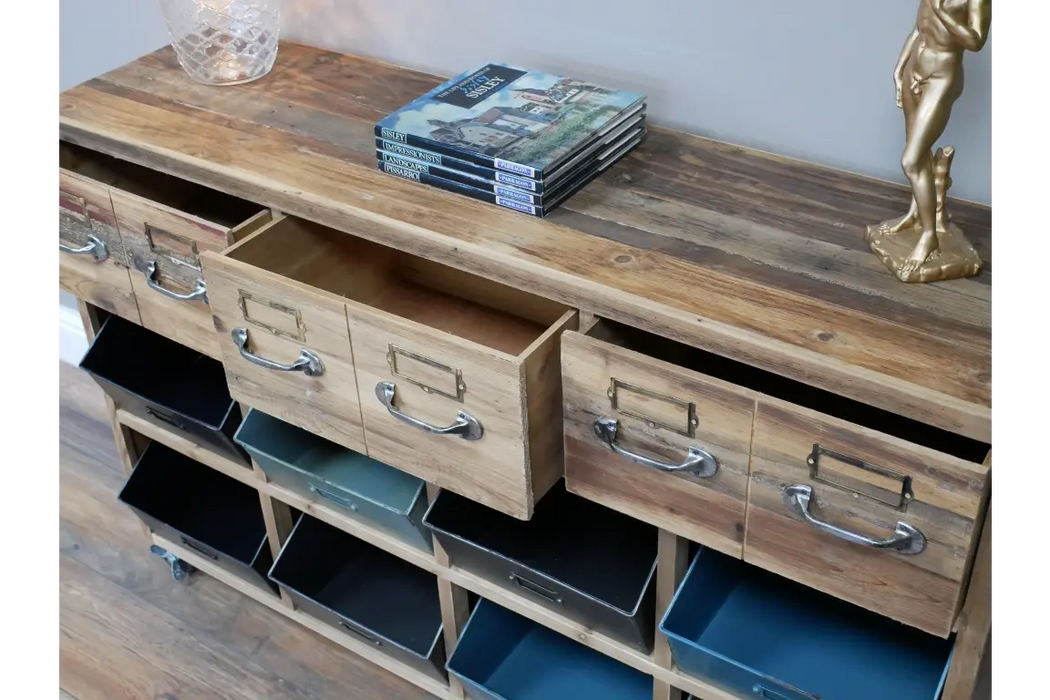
<point x="443" y="374"/>
<point x="868" y="506"/>
<point x="164" y="223"/>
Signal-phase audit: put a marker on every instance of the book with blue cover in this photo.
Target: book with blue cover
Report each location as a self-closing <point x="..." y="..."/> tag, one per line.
<point x="513" y="120"/>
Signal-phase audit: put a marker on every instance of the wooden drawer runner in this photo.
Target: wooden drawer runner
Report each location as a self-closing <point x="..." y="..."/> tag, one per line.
<point x="164" y="225"/>
<point x="695" y="428"/>
<point x="458" y="377"/>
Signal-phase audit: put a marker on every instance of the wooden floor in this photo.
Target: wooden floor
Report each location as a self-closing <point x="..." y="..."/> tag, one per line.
<point x="130" y="632"/>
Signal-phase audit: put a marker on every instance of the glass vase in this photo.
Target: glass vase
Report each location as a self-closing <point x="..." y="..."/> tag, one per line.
<point x="224" y="42"/>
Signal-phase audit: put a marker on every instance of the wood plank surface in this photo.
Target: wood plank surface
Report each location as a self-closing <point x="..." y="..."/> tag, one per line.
<point x="129" y="631"/>
<point x="746" y="254"/>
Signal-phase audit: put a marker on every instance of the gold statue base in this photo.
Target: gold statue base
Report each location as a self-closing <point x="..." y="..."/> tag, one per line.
<point x="953" y="259"/>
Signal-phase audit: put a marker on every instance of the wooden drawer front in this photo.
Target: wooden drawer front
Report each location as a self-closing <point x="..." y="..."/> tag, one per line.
<point x="164" y="247"/>
<point x="661" y="411"/>
<point x="876" y="486"/>
<point x="437" y="377"/>
<point x="282" y="320"/>
<point x="99" y="274"/>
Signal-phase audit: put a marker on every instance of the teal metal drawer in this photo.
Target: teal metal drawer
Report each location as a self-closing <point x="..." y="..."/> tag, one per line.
<point x="760" y="635"/>
<point x="329" y="474"/>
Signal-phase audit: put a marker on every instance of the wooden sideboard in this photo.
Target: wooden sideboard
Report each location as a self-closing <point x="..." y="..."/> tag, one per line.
<point x="736" y="283"/>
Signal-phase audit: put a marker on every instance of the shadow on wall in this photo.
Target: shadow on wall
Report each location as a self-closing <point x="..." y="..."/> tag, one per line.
<point x="810" y="80"/>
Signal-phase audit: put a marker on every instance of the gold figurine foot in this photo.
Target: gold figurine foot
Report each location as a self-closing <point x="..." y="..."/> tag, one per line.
<point x="915" y="257"/>
<point x="932" y="256"/>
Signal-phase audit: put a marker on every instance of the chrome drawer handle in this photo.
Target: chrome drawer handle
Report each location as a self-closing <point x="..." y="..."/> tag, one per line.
<point x="95" y="247"/>
<point x="466" y="426"/>
<point x="308" y="363"/>
<point x="199" y="292"/>
<point x="906" y="539"/>
<point x="698" y="462"/>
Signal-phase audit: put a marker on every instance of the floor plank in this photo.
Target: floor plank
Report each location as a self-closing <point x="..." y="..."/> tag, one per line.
<point x="128" y="630"/>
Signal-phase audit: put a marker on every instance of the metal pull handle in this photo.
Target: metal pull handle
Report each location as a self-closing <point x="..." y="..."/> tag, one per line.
<point x="199" y="292"/>
<point x="906" y="539"/>
<point x="338" y="500"/>
<point x="308" y="363"/>
<point x="95" y="247"/>
<point x="199" y="549"/>
<point x="541" y="591"/>
<point x="697" y="462"/>
<point x="466" y="425"/>
<point x="354" y="629"/>
<point x="170" y="420"/>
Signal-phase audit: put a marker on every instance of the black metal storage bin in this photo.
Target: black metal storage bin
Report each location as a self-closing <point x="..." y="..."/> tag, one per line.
<point x="579" y="558"/>
<point x="158" y="379"/>
<point x="204" y="510"/>
<point x="358" y="588"/>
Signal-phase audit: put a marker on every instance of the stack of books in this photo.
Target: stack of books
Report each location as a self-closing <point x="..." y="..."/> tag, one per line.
<point x="524" y="140"/>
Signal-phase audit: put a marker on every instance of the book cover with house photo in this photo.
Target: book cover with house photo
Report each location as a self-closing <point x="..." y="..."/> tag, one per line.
<point x="525" y="122"/>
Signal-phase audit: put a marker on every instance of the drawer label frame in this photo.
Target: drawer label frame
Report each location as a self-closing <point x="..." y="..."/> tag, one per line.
<point x="192" y="261"/>
<point x="243" y="297"/>
<point x="898" y="500"/>
<point x="618" y="387"/>
<point x="456" y="374"/>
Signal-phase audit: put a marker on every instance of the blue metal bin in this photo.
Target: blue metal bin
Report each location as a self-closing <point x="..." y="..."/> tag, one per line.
<point x="504" y="656"/>
<point x="761" y="635"/>
<point x="349" y="482"/>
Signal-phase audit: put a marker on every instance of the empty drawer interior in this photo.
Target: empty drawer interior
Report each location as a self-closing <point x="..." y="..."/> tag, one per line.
<point x="734" y="623"/>
<point x="160" y="371"/>
<point x="378" y="593"/>
<point x="789" y="390"/>
<point x="596" y="550"/>
<point x="470" y="307"/>
<point x="188" y="197"/>
<point x="198" y="501"/>
<point x="508" y="656"/>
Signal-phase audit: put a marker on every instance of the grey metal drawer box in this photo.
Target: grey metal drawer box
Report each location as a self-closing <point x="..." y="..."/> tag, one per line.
<point x="504" y="656"/>
<point x="360" y="589"/>
<point x="324" y="472"/>
<point x="204" y="510"/>
<point x="579" y="558"/>
<point x="166" y="383"/>
<point x="761" y="635"/>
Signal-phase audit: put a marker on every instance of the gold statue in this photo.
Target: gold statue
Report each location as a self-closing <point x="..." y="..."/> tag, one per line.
<point x="924" y="245"/>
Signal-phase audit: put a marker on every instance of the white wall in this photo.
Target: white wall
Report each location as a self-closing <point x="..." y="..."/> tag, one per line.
<point x="806" y="79"/>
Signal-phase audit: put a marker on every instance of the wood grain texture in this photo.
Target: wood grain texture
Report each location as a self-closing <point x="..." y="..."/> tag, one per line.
<point x="706" y="510"/>
<point x="455" y="606"/>
<point x="974" y="640"/>
<point x="326" y="405"/>
<point x="85" y="209"/>
<point x="745" y="254"/>
<point x="671" y="564"/>
<point x="922" y="590"/>
<point x="492" y="470"/>
<point x="128" y="631"/>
